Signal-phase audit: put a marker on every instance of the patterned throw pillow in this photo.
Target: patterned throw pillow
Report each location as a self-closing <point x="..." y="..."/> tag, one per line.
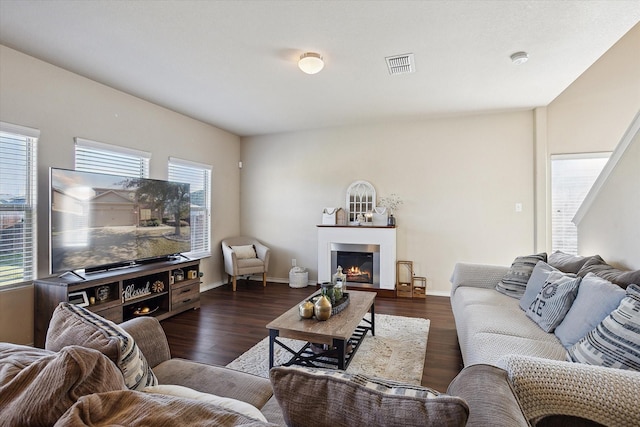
<point x="74" y="325"/>
<point x="615" y="342"/>
<point x="318" y="397"/>
<point x="553" y="301"/>
<point x="515" y="281"/>
<point x="539" y="276"/>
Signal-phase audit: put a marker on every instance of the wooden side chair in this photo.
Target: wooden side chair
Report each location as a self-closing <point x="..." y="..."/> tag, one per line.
<point x="244" y="256"/>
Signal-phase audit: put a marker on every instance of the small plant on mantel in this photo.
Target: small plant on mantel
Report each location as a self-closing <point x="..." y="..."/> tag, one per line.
<point x="392" y="202"/>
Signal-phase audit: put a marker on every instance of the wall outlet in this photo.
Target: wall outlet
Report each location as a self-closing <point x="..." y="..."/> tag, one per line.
<point x="293" y="262"/>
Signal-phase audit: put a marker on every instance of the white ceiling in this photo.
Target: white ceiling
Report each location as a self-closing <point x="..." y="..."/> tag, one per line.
<point x="233" y="63"/>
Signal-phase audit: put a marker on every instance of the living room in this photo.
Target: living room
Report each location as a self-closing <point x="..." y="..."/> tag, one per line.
<point x="459" y="175"/>
<point x="455" y="208"/>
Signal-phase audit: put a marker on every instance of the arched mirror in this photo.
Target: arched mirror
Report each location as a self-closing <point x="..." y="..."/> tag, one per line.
<point x="361" y="201"/>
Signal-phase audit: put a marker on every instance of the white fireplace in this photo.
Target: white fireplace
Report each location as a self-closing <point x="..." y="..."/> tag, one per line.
<point x="376" y="245"/>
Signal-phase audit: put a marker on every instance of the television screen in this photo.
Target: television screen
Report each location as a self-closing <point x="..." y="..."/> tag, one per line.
<point x="99" y="220"/>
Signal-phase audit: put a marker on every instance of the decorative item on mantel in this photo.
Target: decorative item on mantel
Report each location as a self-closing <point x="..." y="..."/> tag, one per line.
<point x="330" y="216"/>
<point x="392" y="203"/>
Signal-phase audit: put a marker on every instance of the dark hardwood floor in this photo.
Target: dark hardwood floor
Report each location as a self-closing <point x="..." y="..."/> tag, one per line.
<point x="229" y="323"/>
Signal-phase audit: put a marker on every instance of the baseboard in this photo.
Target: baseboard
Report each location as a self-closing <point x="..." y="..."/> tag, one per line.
<point x="389" y="293"/>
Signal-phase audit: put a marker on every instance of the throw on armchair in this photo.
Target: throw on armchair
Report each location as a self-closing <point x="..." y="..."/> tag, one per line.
<point x="243" y="256"/>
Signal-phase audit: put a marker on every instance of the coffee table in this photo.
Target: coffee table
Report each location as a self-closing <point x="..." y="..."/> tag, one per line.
<point x="327" y="342"/>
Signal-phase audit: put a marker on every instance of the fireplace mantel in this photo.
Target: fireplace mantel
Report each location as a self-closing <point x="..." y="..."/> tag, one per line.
<point x="375" y="235"/>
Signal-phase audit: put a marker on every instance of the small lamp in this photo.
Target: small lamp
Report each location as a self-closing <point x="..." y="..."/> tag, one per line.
<point x="311" y="62"/>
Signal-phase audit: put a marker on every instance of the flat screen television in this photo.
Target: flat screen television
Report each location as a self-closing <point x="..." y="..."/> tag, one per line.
<point x="100" y="221"/>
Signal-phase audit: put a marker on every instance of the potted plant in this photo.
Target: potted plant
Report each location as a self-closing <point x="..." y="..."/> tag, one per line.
<point x="391" y="202"/>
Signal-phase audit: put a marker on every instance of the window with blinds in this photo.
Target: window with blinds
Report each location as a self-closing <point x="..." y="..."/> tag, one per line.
<point x="18" y="195"/>
<point x="199" y="177"/>
<point x="92" y="156"/>
<point x="572" y="176"/>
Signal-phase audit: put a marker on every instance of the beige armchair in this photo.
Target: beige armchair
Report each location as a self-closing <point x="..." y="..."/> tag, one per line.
<point x="244" y="256"/>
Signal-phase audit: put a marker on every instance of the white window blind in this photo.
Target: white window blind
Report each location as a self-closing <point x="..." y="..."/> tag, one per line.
<point x="92" y="156"/>
<point x="18" y="195"/>
<point x="572" y="176"/>
<point x="199" y="177"/>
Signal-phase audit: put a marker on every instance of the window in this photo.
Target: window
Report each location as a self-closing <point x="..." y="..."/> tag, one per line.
<point x="572" y="176"/>
<point x="94" y="156"/>
<point x="199" y="177"/>
<point x="18" y="194"/>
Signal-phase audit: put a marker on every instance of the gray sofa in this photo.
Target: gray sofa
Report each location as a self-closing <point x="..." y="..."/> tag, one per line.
<point x="504" y="350"/>
<point x="218" y="380"/>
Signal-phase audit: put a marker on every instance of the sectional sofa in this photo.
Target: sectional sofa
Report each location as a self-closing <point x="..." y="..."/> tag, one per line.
<point x="558" y="336"/>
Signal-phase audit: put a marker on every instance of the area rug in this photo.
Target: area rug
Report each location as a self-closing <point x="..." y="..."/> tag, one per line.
<point x="396" y="352"/>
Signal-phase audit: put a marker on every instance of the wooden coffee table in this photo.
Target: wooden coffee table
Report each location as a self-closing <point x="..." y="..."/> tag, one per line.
<point x="335" y="334"/>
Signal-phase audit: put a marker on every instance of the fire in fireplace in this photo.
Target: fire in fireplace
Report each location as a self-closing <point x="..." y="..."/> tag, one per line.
<point x="360" y="263"/>
<point x="358" y="266"/>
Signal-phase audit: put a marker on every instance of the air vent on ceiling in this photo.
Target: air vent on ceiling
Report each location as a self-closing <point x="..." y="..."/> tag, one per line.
<point x="401" y="64"/>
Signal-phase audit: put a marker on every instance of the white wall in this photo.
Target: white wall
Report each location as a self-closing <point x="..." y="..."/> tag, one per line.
<point x="459" y="178"/>
<point x="611" y="226"/>
<point x="64" y="105"/>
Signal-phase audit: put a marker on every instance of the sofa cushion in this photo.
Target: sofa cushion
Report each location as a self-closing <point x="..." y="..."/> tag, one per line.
<point x="568" y="263"/>
<point x="615" y="342"/>
<point x="244" y="251"/>
<point x="515" y="281"/>
<point x="216" y="380"/>
<point x="74" y="325"/>
<point x="595" y="300"/>
<point x="233" y="404"/>
<point x="38" y="386"/>
<point x="553" y="301"/>
<point x="537" y="280"/>
<point x="316" y="397"/>
<point x="623" y="278"/>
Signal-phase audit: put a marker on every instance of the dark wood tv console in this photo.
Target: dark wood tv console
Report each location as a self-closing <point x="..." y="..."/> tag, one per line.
<point x="153" y="289"/>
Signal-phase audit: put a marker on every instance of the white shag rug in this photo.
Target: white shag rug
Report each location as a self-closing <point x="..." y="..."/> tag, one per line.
<point x="396" y="352"/>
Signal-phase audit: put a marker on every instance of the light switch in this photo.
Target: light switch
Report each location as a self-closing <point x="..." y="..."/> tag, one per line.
<point x="518" y="207"/>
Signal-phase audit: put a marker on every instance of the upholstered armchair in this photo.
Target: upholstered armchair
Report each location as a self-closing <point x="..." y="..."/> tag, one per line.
<point x="243" y="256"/>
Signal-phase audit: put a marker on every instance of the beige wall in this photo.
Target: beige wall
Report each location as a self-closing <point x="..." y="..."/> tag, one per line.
<point x="460" y="179"/>
<point x="64" y="105"/>
<point x="593" y="113"/>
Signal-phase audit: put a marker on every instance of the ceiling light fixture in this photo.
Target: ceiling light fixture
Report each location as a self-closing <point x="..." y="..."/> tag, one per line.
<point x="519" y="58"/>
<point x="311" y="62"/>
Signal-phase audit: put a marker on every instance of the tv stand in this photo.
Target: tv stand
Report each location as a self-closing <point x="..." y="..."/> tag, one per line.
<point x="120" y="294"/>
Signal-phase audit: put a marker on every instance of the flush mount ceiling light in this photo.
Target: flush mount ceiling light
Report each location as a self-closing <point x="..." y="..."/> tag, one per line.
<point x="311" y="62"/>
<point x="519" y="58"/>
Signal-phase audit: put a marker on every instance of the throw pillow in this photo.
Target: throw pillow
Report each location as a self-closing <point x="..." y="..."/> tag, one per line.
<point x="615" y="342"/>
<point x="74" y="325"/>
<point x="244" y="252"/>
<point x="515" y="281"/>
<point x="596" y="299"/>
<point x="623" y="278"/>
<point x="538" y="277"/>
<point x="319" y="398"/>
<point x="553" y="301"/>
<point x="239" y="406"/>
<point x="568" y="263"/>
